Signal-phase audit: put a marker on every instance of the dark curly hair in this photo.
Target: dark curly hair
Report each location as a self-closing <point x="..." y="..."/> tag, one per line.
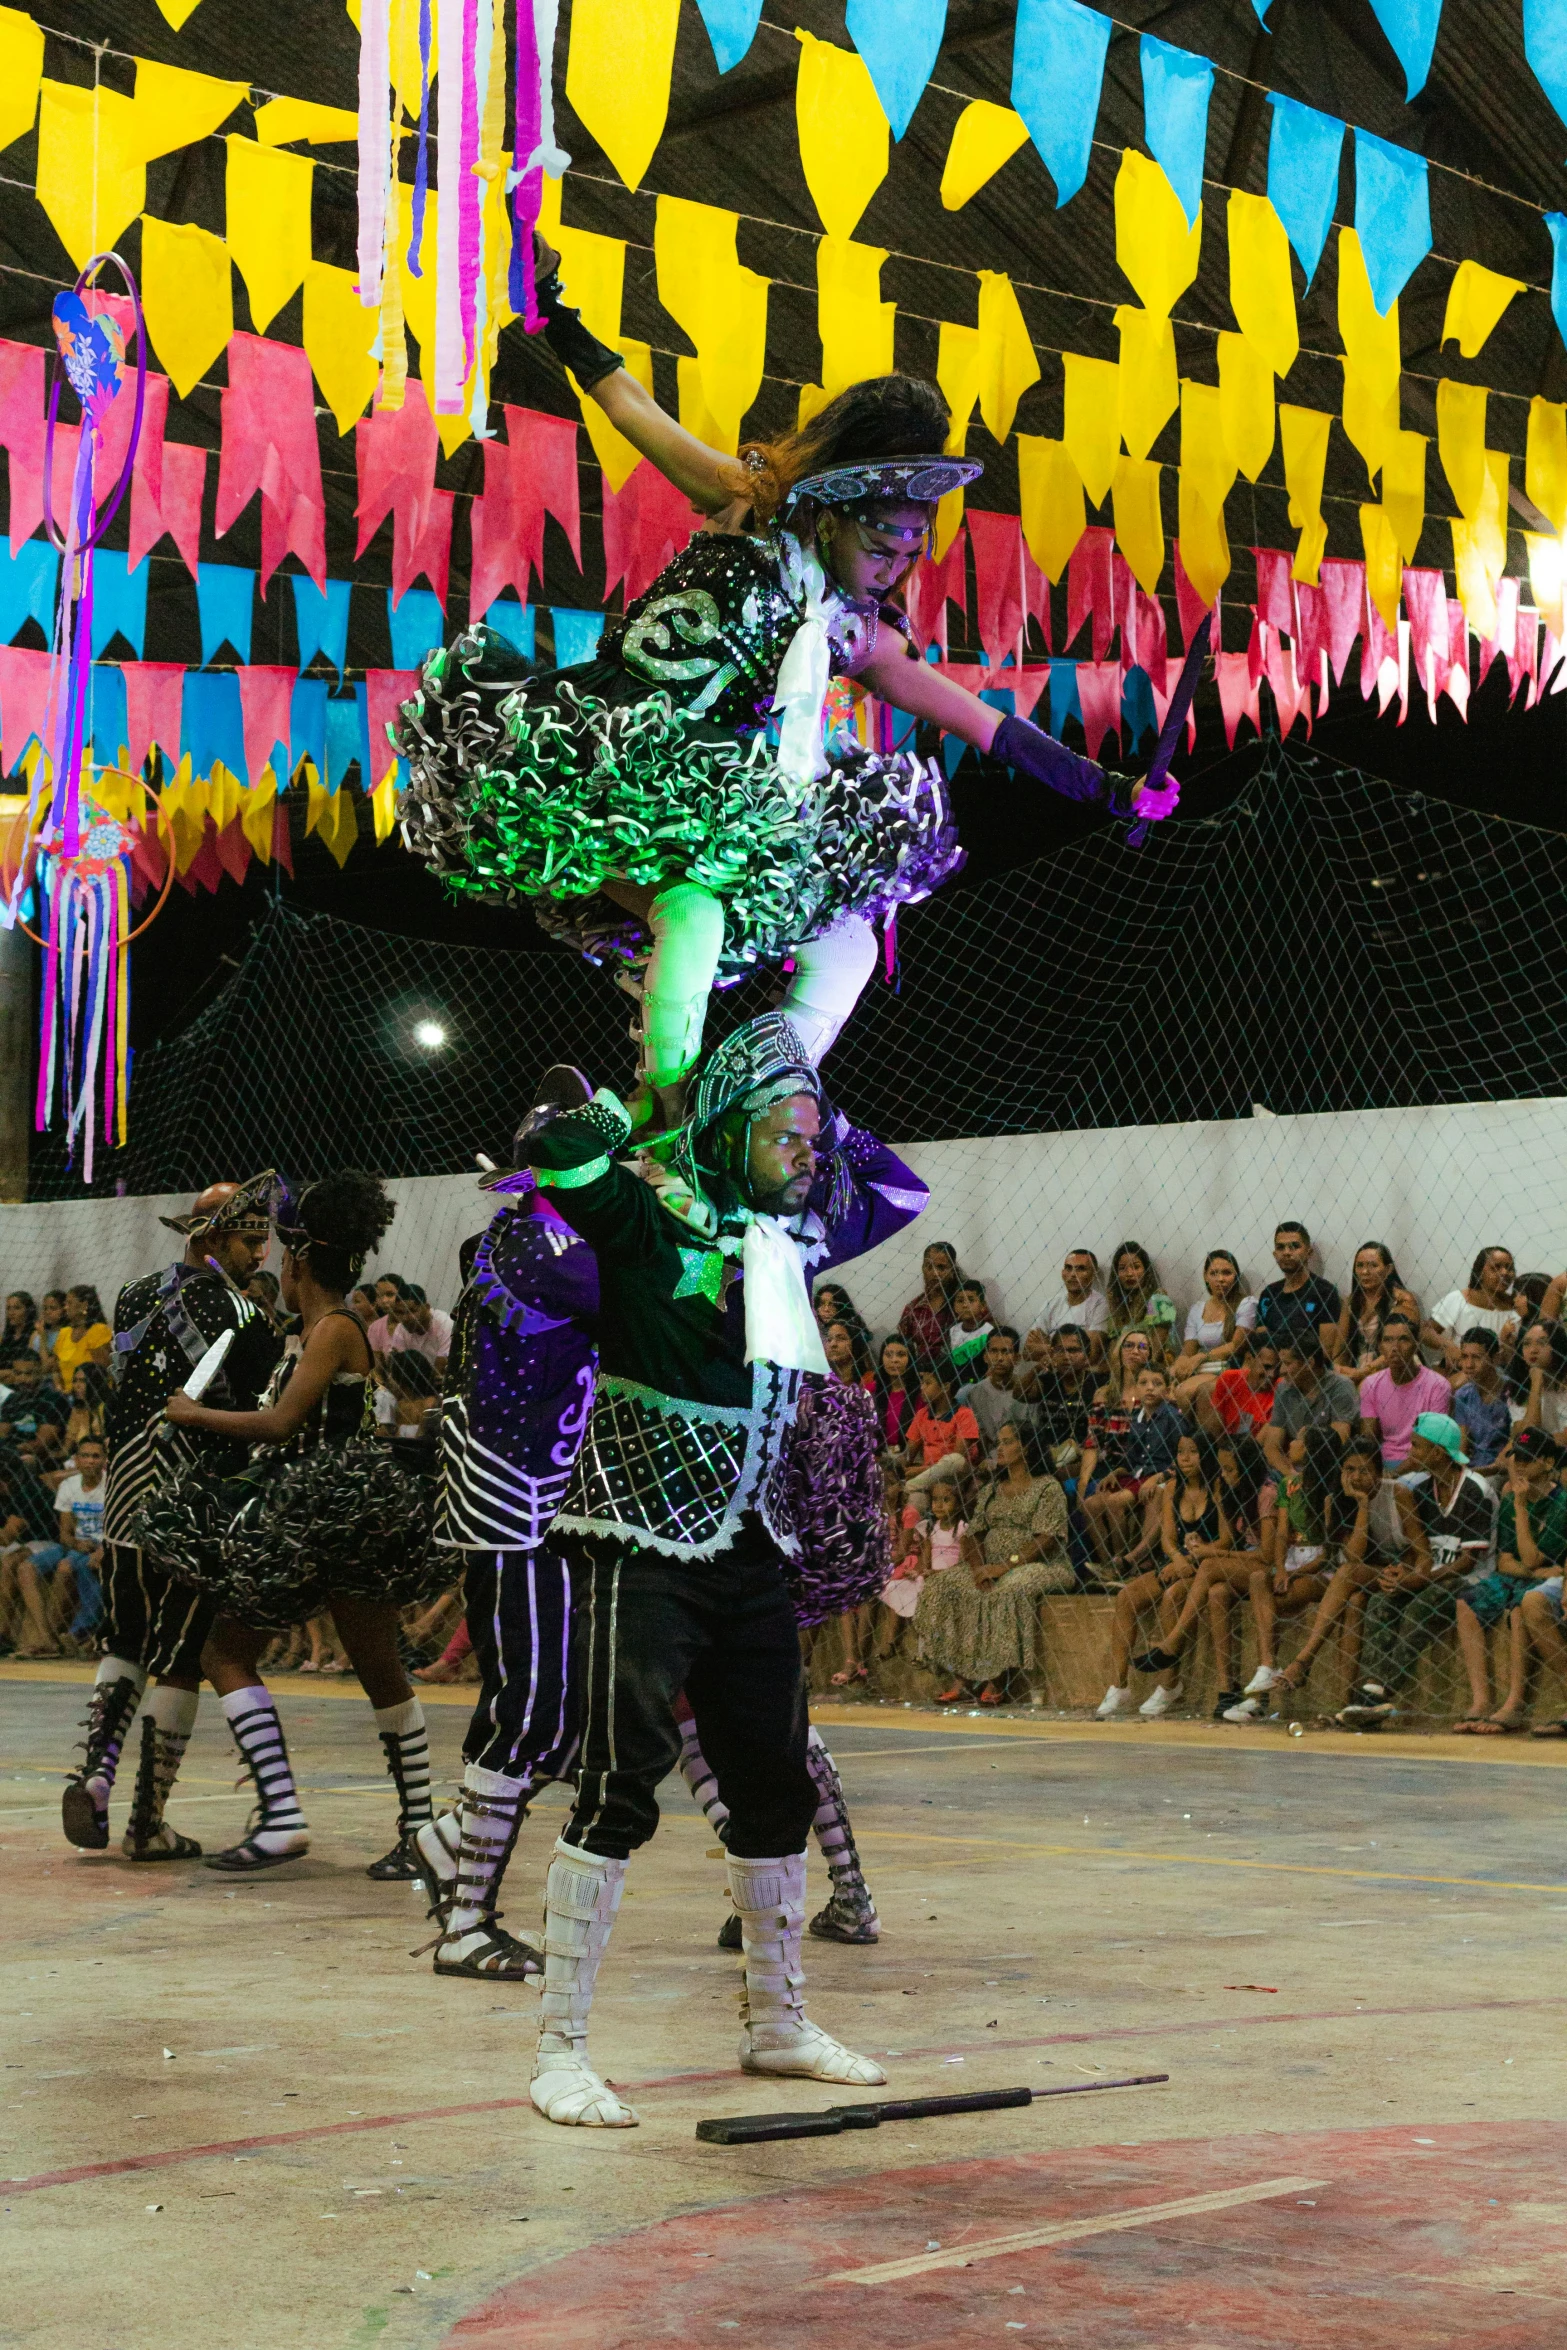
<point x="885" y="416"/>
<point x="335" y="1222"/>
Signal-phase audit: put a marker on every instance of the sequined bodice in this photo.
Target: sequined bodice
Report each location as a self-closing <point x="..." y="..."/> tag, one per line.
<point x="715" y="625"/>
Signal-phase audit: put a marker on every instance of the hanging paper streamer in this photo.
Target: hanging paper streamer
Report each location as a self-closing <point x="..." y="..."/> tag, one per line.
<point x="984" y="137"/>
<point x="1475" y="302"/>
<point x="1091" y="425"/>
<point x="617" y="76"/>
<point x="1304" y="432"/>
<point x="1007" y="365"/>
<point x="538" y="152"/>
<point x="1138" y="528"/>
<point x="1545" y="461"/>
<point x="1050" y="495"/>
<point x="842" y="131"/>
<point x="721" y="306"/>
<point x="1245" y="403"/>
<point x="1176" y="89"/>
<point x="1304" y="151"/>
<point x="899" y="41"/>
<point x="1157" y="251"/>
<point x="855" y="324"/>
<point x="1410" y="26"/>
<point x="1149" y="387"/>
<point x="21" y="70"/>
<point x="1392" y="214"/>
<point x="1262" y="291"/>
<point x="1058" y="66"/>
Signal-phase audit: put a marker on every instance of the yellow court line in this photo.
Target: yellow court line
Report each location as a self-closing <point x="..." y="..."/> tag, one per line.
<point x="1125" y="1737"/>
<point x="1069" y="2231"/>
<point x="1201" y="1860"/>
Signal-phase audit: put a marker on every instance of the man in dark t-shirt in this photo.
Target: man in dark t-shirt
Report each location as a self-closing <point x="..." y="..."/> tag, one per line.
<point x="1300" y="1305"/>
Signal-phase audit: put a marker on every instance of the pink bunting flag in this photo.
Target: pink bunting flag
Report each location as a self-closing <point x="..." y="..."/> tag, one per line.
<point x="1026" y="685"/>
<point x="1553" y="678"/>
<point x="1256" y="648"/>
<point x="270" y="447"/>
<point x="430" y="552"/>
<point x="646" y="523"/>
<point x="1521" y="661"/>
<point x="1505" y="640"/>
<point x="1163" y="695"/>
<point x="24" y="700"/>
<point x="1099" y="692"/>
<point x="932" y="587"/>
<point x="1239" y="693"/>
<point x="1189" y="606"/>
<point x="1311" y="641"/>
<point x="997" y="540"/>
<point x="394" y="454"/>
<point x="1144" y="640"/>
<point x="385" y="691"/>
<point x="1379" y="647"/>
<point x="22" y="433"/>
<point x="231" y="849"/>
<point x="266" y="700"/>
<point x="154" y="704"/>
<point x="531" y="474"/>
<point x="1425" y="601"/>
<point x="168" y="481"/>
<point x="1275" y="588"/>
<point x="1292" y="696"/>
<point x="1036" y="597"/>
<point x="1456" y="683"/>
<point x="1090" y="590"/>
<point x="1344" y="595"/>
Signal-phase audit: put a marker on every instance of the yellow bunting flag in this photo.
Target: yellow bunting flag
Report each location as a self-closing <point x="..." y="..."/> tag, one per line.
<point x="1246" y="403"/>
<point x="1384" y="571"/>
<point x="21" y="71"/>
<point x="1490" y="526"/>
<point x="176" y="12"/>
<point x="187" y="296"/>
<point x="1156" y="250"/>
<point x="268" y="219"/>
<point x="332" y="814"/>
<point x="1371" y="423"/>
<point x="843" y="132"/>
<point x="383" y="807"/>
<point x="256" y="814"/>
<point x="1475" y="301"/>
<point x="1007" y="362"/>
<point x="92" y="172"/>
<point x="855" y="324"/>
<point x="175" y="108"/>
<point x="1545" y="577"/>
<point x="1404" y="490"/>
<point x="1370" y="340"/>
<point x="1262" y="289"/>
<point x="1460" y="441"/>
<point x="1207" y="476"/>
<point x="1091" y="425"/>
<point x="985" y="137"/>
<point x="282" y="120"/>
<point x="338" y="332"/>
<point x="593" y="271"/>
<point x="721" y="306"/>
<point x="1304" y="432"/>
<point x="1545" y="461"/>
<point x="1050" y="494"/>
<point x="1139" y="527"/>
<point x="617" y="76"/>
<point x="958" y="359"/>
<point x="1150" y="387"/>
<point x="1476" y="588"/>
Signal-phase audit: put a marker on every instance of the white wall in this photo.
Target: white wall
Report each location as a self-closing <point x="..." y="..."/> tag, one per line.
<point x="1435" y="1185"/>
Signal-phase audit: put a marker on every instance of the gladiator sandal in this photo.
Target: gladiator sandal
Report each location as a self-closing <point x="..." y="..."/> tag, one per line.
<point x="277" y="1829"/>
<point x="850" y="1914"/>
<point x="776" y="2036"/>
<point x="580" y="1901"/>
<point x="84" y="1806"/>
<point x="148" y="1835"/>
<point x="698" y="1777"/>
<point x="406" y="1746"/>
<point x="472" y="1940"/>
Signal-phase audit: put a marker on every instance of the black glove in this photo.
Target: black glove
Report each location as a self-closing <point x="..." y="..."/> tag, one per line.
<point x="1033" y="752"/>
<point x="589" y="359"/>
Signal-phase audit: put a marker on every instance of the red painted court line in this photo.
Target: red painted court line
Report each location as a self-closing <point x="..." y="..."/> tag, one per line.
<point x="440" y="2113"/>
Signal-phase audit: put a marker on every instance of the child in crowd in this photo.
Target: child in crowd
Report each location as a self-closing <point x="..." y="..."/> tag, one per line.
<point x="943" y="1439"/>
<point x="926" y="1549"/>
<point x="1193" y="1532"/>
<point x="51" y="1321"/>
<point x="1130" y="1471"/>
<point x="1480" y="1399"/>
<point x="1241" y="1398"/>
<point x="967" y="1337"/>
<point x="1292" y="1568"/>
<point x="1385" y="1537"/>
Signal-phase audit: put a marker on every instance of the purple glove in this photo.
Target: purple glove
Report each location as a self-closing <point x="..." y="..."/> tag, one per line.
<point x="1033" y="752"/>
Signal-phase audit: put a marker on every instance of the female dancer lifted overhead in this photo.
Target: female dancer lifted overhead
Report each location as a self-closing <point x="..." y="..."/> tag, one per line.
<point x="682" y="778"/>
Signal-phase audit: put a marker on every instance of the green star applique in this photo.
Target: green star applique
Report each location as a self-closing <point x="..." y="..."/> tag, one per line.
<point x="702" y="1274"/>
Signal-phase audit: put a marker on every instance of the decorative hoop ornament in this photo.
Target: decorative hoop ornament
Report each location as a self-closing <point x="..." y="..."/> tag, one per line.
<point x="103" y="858"/>
<point x="91" y="354"/>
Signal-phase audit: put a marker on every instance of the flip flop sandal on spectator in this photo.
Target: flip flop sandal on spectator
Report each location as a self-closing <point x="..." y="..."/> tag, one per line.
<point x="1550" y="1730"/>
<point x="851" y="1673"/>
<point x="1494" y="1729"/>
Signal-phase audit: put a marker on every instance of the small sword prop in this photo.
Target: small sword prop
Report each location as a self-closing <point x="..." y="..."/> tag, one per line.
<point x="201" y="1378"/>
<point x="1175" y="718"/>
<point x="751" y="2129"/>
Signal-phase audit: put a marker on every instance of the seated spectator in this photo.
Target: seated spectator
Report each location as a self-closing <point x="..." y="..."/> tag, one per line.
<point x="848" y="1353"/>
<point x="923" y="1549"/>
<point x="1241" y="1398"/>
<point x="1215" y="1328"/>
<point x="389" y="1289"/>
<point x="265" y="1290"/>
<point x="1246" y="1497"/>
<point x="1531" y="1549"/>
<point x="78" y="1502"/>
<point x="994" y="1400"/>
<point x="834" y="1304"/>
<point x="85" y="1336"/>
<point x="51" y="1321"/>
<point x="1485" y="1304"/>
<point x="893" y="1387"/>
<point x="1392" y="1399"/>
<point x="943" y="1441"/>
<point x="88" y="1400"/>
<point x="926" y="1319"/>
<point x="1193" y="1531"/>
<point x="1537" y="1379"/>
<point x="1079" y="1301"/>
<point x="1308" y="1395"/>
<point x="1385" y="1536"/>
<point x="409" y="1404"/>
<point x="1061" y="1398"/>
<point x="1134" y="1300"/>
<point x="1300" y="1305"/>
<point x="979" y="1621"/>
<point x="420" y="1329"/>
<point x="362" y="1301"/>
<point x="448" y="1666"/>
<point x="1480" y="1399"/>
<point x="1414" y="1600"/>
<point x="33" y="1414"/>
<point x="1291" y="1569"/>
<point x="970" y="1333"/>
<point x="1122" y="1472"/>
<point x="1110" y="1412"/>
<point x="20" y="1335"/>
<point x="27" y="1516"/>
<point x="1376" y="1289"/>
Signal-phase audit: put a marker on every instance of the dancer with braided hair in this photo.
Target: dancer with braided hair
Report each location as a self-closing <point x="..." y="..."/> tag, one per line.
<point x="325" y="1516"/>
<point x="673" y="807"/>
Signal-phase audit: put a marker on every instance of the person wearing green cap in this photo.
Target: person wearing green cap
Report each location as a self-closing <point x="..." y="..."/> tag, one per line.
<point x="1414" y="1603"/>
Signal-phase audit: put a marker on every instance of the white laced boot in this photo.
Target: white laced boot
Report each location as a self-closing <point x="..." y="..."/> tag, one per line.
<point x="580" y="1900"/>
<point x="775" y="2034"/>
